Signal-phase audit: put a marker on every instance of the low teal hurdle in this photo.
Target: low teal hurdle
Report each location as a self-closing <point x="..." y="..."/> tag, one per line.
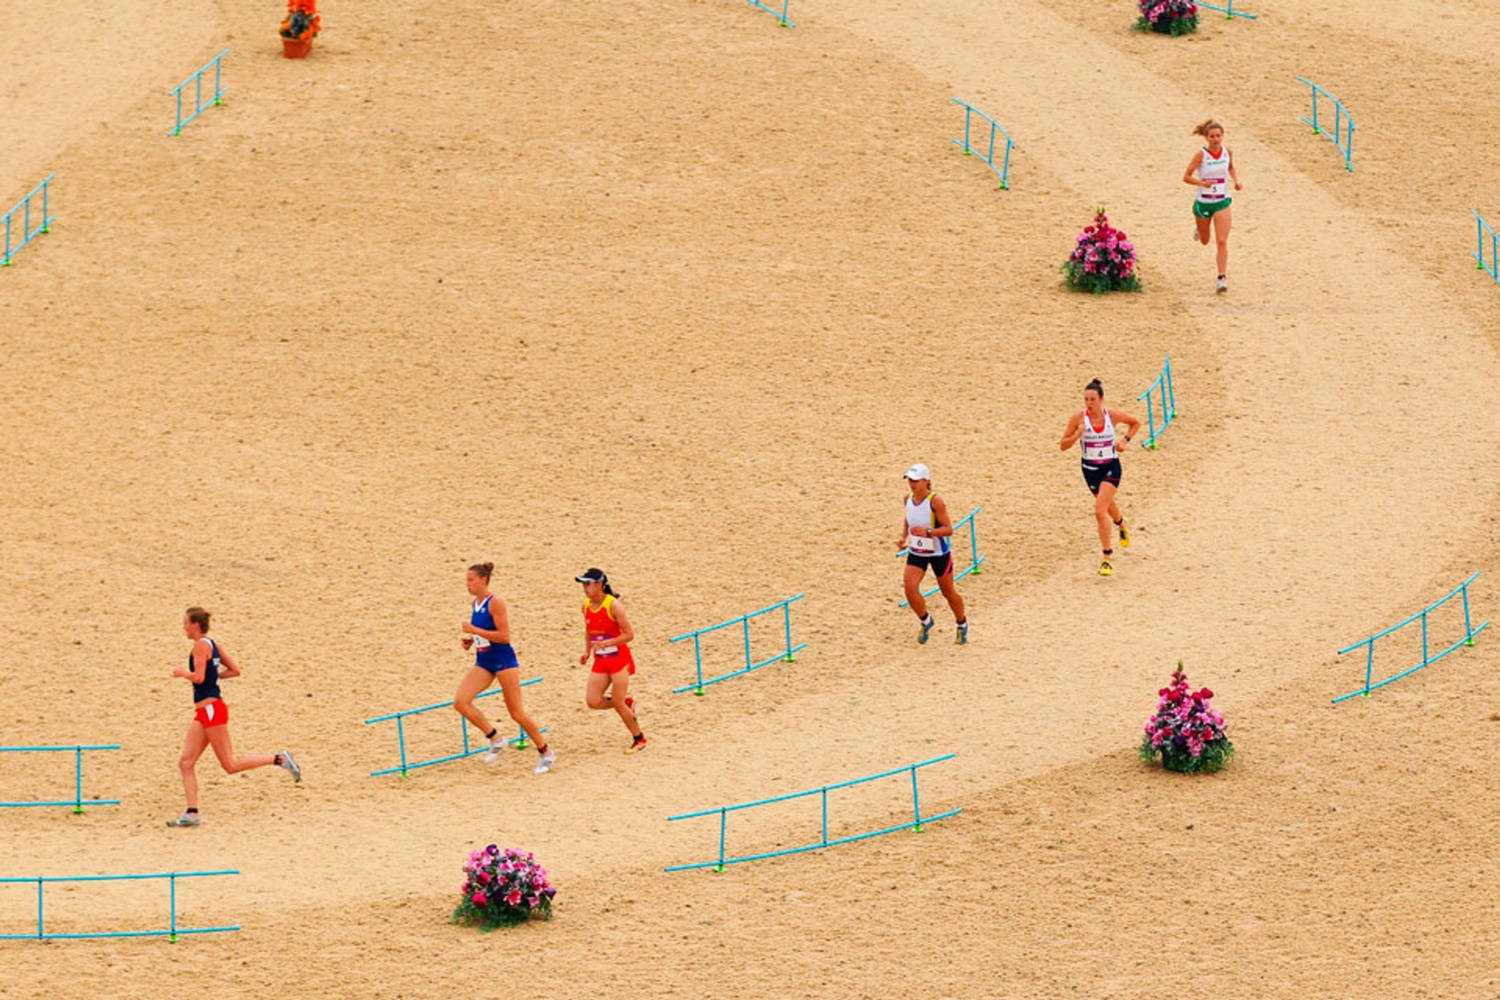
<point x="196" y="78"/>
<point x="1462" y="590"/>
<point x="1229" y="12"/>
<point x="975" y="559"/>
<point x="44" y="221"/>
<point x="1493" y="267"/>
<point x="772" y="10"/>
<point x="724" y="811"/>
<point x="1002" y="171"/>
<point x="1343" y="125"/>
<point x="77" y="801"/>
<point x="1159" y="397"/>
<point x="750" y="664"/>
<point x="171" y="932"/>
<point x="519" y="742"/>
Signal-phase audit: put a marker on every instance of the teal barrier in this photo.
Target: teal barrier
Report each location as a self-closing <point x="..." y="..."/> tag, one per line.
<point x="172" y="932"/>
<point x="1343" y="125"/>
<point x="1468" y="640"/>
<point x="975" y="559"/>
<point x="199" y="106"/>
<point x="1494" y="265"/>
<point x="724" y="811"/>
<point x="519" y="742"/>
<point x="1160" y="390"/>
<point x="1229" y="12"/>
<point x="44" y="223"/>
<point x="77" y="801"/>
<point x="750" y="664"/>
<point x="1003" y="171"/>
<point x="772" y="10"/>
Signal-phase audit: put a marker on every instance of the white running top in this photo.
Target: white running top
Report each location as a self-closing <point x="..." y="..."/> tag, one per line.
<point x="1099" y="446"/>
<point x="1216" y="169"/>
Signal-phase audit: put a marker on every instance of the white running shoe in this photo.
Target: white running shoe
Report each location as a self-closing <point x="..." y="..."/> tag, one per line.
<point x="186" y="819"/>
<point x="1223" y="285"/>
<point x="291" y="765"/>
<point x="497" y="746"/>
<point x="544" y="761"/>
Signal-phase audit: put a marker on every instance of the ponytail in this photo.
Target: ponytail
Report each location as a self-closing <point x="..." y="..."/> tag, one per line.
<point x="1207" y="127"/>
<point x="482" y="570"/>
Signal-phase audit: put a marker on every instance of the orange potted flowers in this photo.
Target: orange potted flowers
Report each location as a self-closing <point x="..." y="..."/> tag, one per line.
<point x="298" y="28"/>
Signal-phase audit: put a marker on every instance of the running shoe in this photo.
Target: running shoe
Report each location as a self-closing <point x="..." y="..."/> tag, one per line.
<point x="544" y="761"/>
<point x="186" y="819"/>
<point x="1124" y="534"/>
<point x="962" y="638"/>
<point x="1223" y="285"/>
<point x="291" y="765"/>
<point x="1105" y="569"/>
<point x="497" y="746"/>
<point x="637" y="745"/>
<point x="926" y="629"/>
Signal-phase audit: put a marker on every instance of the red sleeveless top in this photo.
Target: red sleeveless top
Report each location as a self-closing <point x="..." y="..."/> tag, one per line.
<point x="601" y="624"/>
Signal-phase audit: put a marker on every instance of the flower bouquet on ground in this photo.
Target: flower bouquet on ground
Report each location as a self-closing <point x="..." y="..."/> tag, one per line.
<point x="503" y="888"/>
<point x="1187" y="733"/>
<point x="1168" y="17"/>
<point x="1103" y="260"/>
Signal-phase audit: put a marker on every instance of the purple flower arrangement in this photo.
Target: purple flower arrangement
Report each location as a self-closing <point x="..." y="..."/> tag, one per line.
<point x="1168" y="17"/>
<point x="1185" y="730"/>
<point x="1103" y="260"/>
<point x="503" y="888"/>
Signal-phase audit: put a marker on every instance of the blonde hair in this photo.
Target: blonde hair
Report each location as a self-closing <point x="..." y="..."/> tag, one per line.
<point x="1207" y="127"/>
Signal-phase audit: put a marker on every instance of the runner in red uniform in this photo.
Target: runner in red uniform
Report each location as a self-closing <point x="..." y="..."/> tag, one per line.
<point x="606" y="636"/>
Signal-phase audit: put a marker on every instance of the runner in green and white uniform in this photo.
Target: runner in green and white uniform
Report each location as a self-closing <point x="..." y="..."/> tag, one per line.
<point x="1211" y="170"/>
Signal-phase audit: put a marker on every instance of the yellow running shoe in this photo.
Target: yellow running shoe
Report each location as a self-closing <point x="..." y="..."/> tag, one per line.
<point x="1104" y="568"/>
<point x="1124" y="534"/>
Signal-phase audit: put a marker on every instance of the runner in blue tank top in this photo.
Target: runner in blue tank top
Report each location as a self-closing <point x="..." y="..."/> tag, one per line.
<point x="487" y="632"/>
<point x="207" y="664"/>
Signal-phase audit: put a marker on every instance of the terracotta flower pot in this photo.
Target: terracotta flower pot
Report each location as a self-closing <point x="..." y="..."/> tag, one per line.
<point x="295" y="48"/>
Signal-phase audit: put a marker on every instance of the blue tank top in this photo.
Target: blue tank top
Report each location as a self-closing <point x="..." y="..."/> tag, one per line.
<point x="210" y="686"/>
<point x="486" y="653"/>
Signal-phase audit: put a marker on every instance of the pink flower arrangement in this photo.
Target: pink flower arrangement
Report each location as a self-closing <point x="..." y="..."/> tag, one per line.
<point x="1186" y="731"/>
<point x="503" y="888"/>
<point x="1168" y="17"/>
<point x="1103" y="260"/>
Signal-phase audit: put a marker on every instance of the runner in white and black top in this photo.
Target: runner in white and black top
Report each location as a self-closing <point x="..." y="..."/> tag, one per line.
<point x="925" y="535"/>
<point x="1095" y="428"/>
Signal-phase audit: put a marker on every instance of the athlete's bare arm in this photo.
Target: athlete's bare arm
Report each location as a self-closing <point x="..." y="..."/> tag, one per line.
<point x="1232" y="175"/>
<point x="1191" y="175"/>
<point x="626" y="632"/>
<point x="905" y="528"/>
<point x="1073" y="432"/>
<point x="501" y="632"/>
<point x="944" y="526"/>
<point x="227" y="668"/>
<point x="1121" y="417"/>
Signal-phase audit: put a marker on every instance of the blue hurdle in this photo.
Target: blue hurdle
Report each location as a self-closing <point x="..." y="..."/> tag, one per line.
<point x="1494" y="265"/>
<point x="750" y="664"/>
<point x="1162" y="387"/>
<point x="77" y="801"/>
<point x="172" y="932"/>
<point x="24" y="207"/>
<point x="724" y="811"/>
<point x="519" y="742"/>
<point x="196" y="78"/>
<point x="772" y="10"/>
<point x="1004" y="171"/>
<point x="1229" y="12"/>
<point x="1342" y="137"/>
<point x="975" y="559"/>
<point x="1468" y="640"/>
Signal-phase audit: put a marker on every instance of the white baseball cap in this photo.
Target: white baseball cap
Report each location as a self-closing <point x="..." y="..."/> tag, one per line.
<point x="918" y="471"/>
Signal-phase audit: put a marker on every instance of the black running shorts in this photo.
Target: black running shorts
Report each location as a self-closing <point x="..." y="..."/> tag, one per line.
<point x="1097" y="475"/>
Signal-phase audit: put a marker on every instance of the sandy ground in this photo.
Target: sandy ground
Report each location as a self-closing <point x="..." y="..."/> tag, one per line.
<point x="670" y="290"/>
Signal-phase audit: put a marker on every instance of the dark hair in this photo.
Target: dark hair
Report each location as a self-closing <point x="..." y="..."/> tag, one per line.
<point x="596" y="575"/>
<point x="482" y="569"/>
<point x="198" y="617"/>
<point x="1097" y="386"/>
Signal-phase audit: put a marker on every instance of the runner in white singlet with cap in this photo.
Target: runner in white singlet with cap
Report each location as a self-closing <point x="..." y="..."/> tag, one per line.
<point x="1094" y="427"/>
<point x="925" y="535"/>
<point x="1210" y="171"/>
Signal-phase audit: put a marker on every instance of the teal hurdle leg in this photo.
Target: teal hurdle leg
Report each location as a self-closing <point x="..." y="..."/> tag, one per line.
<point x="722" y="821"/>
<point x="973" y="547"/>
<point x="1369" y="665"/>
<point x="825" y="817"/>
<point x="748" y="661"/>
<point x="401" y="739"/>
<point x="968" y="114"/>
<point x="1316" y="130"/>
<point x="1468" y="625"/>
<point x="1425" y="661"/>
<point x="77" y="780"/>
<point x="1171" y="392"/>
<point x="40" y="926"/>
<point x="44" y="207"/>
<point x="1478" y="242"/>
<point x="787" y="607"/>
<point x="172" y="881"/>
<point x="698" y="659"/>
<point x="916" y="804"/>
